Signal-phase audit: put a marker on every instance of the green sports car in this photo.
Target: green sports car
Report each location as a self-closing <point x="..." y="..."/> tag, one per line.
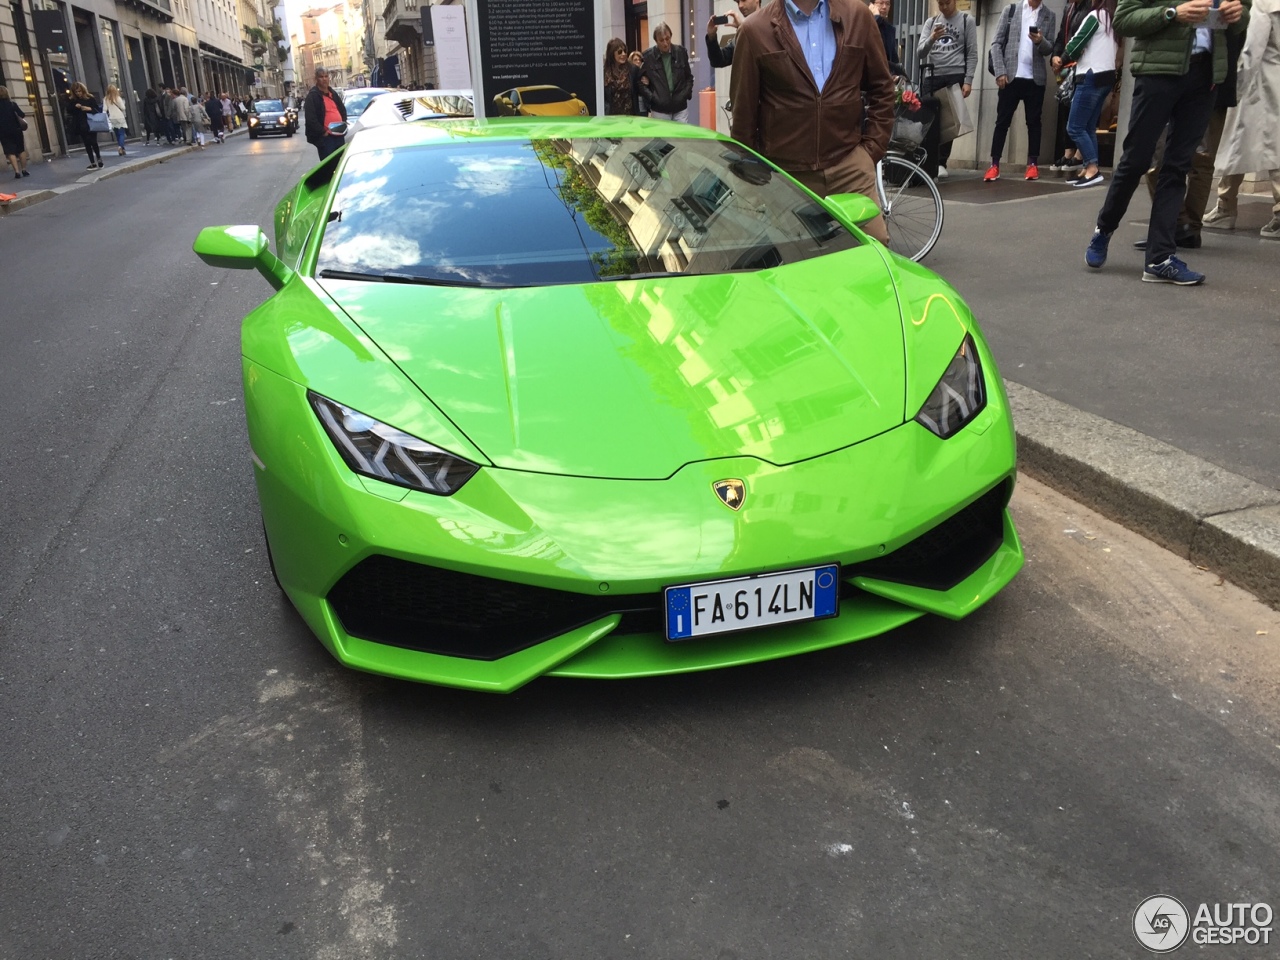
<point x="607" y="397"/>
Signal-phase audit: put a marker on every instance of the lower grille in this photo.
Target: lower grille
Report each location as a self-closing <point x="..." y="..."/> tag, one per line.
<point x="459" y="614"/>
<point x="419" y="607"/>
<point x="940" y="558"/>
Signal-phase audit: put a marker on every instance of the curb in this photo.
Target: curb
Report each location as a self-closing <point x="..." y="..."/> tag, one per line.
<point x="26" y="200"/>
<point x="1217" y="519"/>
<point x="39" y="196"/>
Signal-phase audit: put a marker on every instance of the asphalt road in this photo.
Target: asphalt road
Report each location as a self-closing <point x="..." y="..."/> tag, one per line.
<point x="187" y="773"/>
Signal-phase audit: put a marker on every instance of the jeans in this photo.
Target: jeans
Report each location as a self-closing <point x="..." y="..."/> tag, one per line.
<point x="1086" y="108"/>
<point x="120" y="133"/>
<point x="1030" y="94"/>
<point x="1183" y="104"/>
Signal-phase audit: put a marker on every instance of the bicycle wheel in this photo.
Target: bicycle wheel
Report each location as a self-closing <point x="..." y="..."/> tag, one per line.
<point x="912" y="207"/>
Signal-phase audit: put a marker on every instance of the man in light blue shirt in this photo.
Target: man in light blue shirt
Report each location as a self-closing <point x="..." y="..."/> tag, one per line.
<point x="817" y="38"/>
<point x="801" y="72"/>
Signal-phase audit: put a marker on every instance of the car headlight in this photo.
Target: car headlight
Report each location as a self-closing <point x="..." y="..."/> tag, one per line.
<point x="374" y="449"/>
<point x="253" y="121"/>
<point x="959" y="396"/>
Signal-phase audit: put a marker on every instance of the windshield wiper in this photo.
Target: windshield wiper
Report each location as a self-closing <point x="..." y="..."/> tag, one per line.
<point x="432" y="281"/>
<point x="331" y="274"/>
<point x="642" y="276"/>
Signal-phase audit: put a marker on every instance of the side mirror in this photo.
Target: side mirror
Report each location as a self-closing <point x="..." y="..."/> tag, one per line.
<point x="241" y="248"/>
<point x="338" y="129"/>
<point x="854" y="207"/>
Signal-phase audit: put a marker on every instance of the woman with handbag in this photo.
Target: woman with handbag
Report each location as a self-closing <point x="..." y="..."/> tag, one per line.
<point x="113" y="103"/>
<point x="12" y="125"/>
<point x="81" y="103"/>
<point x="1093" y="48"/>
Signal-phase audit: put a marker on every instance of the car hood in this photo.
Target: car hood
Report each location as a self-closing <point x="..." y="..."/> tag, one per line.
<point x="271" y="116"/>
<point x="634" y="379"/>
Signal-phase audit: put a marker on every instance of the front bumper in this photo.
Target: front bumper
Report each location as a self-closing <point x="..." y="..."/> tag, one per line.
<point x="609" y="545"/>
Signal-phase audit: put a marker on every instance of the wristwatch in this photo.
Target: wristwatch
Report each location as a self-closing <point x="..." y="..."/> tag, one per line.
<point x="1170" y="14"/>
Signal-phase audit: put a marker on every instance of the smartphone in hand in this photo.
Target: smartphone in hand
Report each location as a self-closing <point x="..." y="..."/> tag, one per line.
<point x="720" y="21"/>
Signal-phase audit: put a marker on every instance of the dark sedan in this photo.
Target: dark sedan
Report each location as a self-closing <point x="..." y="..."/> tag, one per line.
<point x="271" y="116"/>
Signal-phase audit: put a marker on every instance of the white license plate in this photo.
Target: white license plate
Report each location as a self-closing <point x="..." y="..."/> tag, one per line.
<point x="719" y="606"/>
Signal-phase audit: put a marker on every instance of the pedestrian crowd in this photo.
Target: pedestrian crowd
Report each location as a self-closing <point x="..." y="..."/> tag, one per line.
<point x="177" y="117"/>
<point x="1206" y="101"/>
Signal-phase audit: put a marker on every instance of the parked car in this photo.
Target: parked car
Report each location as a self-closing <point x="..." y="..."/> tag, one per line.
<point x="406" y="105"/>
<point x="357" y="98"/>
<point x="270" y="117"/>
<point x="539" y="101"/>
<point x="605" y="399"/>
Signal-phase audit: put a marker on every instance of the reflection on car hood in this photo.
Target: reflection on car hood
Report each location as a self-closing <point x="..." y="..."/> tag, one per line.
<point x="634" y="379"/>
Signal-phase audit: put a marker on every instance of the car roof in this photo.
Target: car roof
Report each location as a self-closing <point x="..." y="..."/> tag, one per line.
<point x="521" y="128"/>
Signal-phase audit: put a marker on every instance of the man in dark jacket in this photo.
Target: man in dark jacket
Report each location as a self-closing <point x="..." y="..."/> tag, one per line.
<point x="721" y="54"/>
<point x="666" y="78"/>
<point x="1176" y="62"/>
<point x="801" y="105"/>
<point x="322" y="107"/>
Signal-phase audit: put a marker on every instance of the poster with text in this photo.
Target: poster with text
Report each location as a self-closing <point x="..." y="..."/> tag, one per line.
<point x="536" y="57"/>
<point x="449" y="29"/>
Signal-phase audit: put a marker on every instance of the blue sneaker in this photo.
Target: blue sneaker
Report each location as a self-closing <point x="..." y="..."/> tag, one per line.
<point x="1172" y="270"/>
<point x="1096" y="255"/>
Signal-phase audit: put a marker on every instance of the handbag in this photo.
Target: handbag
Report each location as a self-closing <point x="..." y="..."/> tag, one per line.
<point x="99" y="122"/>
<point x="953" y="113"/>
<point x="1066" y="84"/>
<point x="22" y="124"/>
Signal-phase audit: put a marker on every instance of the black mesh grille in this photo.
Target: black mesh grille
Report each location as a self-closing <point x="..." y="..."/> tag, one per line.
<point x="943" y="556"/>
<point x="461" y="615"/>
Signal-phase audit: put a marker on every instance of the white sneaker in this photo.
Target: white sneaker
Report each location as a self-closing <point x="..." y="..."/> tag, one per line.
<point x="1219" y="219"/>
<point x="1272" y="230"/>
<point x="942" y="173"/>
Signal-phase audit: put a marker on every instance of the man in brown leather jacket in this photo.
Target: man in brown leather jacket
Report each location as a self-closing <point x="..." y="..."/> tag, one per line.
<point x="800" y="70"/>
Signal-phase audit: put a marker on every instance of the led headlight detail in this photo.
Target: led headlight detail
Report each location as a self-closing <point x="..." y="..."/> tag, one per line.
<point x="959" y="396"/>
<point x="374" y="449"/>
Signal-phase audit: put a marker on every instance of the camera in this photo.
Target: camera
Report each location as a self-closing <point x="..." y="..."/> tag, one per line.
<point x="720" y="21"/>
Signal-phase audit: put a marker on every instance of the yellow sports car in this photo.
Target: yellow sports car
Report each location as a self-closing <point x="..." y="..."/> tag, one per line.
<point x="540" y="101"/>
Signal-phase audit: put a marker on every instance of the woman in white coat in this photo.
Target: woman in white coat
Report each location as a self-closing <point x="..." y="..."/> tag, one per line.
<point x="113" y="103"/>
<point x="1251" y="138"/>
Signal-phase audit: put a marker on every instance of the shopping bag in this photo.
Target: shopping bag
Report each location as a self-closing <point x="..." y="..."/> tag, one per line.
<point x="953" y="114"/>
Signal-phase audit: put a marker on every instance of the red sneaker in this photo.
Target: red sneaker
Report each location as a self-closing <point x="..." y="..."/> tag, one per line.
<point x="993" y="173"/>
<point x="1033" y="172"/>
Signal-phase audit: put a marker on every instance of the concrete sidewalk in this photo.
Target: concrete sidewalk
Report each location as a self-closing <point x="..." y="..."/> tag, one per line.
<point x="1149" y="403"/>
<point x="58" y="175"/>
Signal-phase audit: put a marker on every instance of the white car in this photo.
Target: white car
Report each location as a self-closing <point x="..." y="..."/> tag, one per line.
<point x="404" y="105"/>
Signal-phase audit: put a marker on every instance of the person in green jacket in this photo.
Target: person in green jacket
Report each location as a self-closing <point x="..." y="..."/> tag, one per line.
<point x="1179" y="55"/>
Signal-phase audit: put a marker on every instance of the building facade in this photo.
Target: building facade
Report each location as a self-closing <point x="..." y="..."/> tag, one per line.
<point x="46" y="45"/>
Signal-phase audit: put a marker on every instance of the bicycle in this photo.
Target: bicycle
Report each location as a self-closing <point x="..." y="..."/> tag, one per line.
<point x="909" y="197"/>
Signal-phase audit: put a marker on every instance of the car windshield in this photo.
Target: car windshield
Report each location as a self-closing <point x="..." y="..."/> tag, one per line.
<point x="269" y="106"/>
<point x="356" y="102"/>
<point x="446" y="105"/>
<point x="503" y="213"/>
<point x="536" y="95"/>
